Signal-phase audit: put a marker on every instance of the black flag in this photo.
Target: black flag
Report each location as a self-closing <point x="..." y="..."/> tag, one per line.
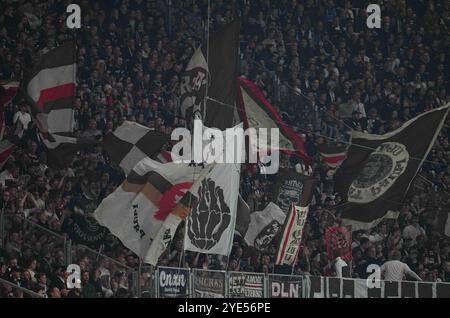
<point x="379" y="169"/>
<point x="212" y="71"/>
<point x="290" y="187"/>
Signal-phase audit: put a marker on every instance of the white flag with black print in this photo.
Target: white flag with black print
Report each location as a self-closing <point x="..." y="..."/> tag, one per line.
<point x="210" y="225"/>
<point x="264" y="225"/>
<point x="137" y="209"/>
<point x="379" y="169"/>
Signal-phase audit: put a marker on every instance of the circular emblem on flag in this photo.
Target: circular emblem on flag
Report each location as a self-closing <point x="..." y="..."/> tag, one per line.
<point x="210" y="216"/>
<point x="385" y="165"/>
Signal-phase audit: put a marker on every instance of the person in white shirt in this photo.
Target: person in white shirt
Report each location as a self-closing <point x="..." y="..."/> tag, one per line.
<point x="340" y="266"/>
<point x="357" y="105"/>
<point x="395" y="270"/>
<point x="21" y="120"/>
<point x="413" y="230"/>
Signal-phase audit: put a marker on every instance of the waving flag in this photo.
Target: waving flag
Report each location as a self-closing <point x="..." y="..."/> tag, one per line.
<point x="136" y="210"/>
<point x="290" y="187"/>
<point x="332" y="156"/>
<point x="379" y="169"/>
<point x="264" y="225"/>
<point x="339" y="238"/>
<point x="214" y="73"/>
<point x="291" y="237"/>
<point x="132" y="142"/>
<point x="50" y="87"/>
<point x="257" y="113"/>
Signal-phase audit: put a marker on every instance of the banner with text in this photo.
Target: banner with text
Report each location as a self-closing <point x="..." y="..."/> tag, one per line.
<point x="208" y="284"/>
<point x="245" y="285"/>
<point x="285" y="286"/>
<point x="173" y="282"/>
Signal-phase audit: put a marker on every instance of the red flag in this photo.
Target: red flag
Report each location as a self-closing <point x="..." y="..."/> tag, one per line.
<point x="339" y="238"/>
<point x="257" y="112"/>
<point x="332" y="156"/>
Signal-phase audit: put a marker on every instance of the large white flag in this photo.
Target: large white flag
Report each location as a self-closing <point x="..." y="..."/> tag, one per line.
<point x="264" y="225"/>
<point x="210" y="225"/>
<point x="135" y="211"/>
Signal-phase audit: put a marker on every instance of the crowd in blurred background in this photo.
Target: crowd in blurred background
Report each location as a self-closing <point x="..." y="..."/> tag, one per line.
<point x="317" y="62"/>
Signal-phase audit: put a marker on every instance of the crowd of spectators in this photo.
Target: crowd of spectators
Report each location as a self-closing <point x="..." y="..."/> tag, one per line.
<point x="316" y="61"/>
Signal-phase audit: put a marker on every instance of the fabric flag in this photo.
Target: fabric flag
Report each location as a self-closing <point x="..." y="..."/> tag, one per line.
<point x="6" y="150"/>
<point x="210" y="226"/>
<point x="339" y="238"/>
<point x="289" y="242"/>
<point x="132" y="142"/>
<point x="213" y="212"/>
<point x="264" y="225"/>
<point x="164" y="156"/>
<point x="212" y="73"/>
<point x="135" y="211"/>
<point x="242" y="217"/>
<point x="8" y="92"/>
<point x="289" y="188"/>
<point x="332" y="156"/>
<point x="379" y="169"/>
<point x="167" y="230"/>
<point x="50" y="87"/>
<point x="10" y="89"/>
<point x="85" y="230"/>
<point x="257" y="112"/>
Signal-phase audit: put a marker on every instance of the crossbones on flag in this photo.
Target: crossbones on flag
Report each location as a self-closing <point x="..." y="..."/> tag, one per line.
<point x="379" y="169"/>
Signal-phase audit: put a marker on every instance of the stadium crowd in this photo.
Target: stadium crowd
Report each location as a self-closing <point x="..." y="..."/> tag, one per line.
<point x="317" y="62"/>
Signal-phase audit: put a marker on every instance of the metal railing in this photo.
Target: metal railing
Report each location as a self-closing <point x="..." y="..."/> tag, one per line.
<point x="191" y="283"/>
<point x="58" y="246"/>
<point x="109" y="270"/>
<point x="61" y="250"/>
<point x="11" y="290"/>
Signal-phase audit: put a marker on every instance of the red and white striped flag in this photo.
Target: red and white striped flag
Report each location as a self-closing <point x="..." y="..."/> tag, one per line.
<point x="51" y="88"/>
<point x="291" y="235"/>
<point x="332" y="156"/>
